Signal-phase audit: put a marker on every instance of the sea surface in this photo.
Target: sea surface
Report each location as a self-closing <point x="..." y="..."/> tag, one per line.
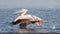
<point x="50" y="20"/>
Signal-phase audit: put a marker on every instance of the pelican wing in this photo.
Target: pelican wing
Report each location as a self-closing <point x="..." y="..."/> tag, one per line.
<point x="25" y="17"/>
<point x="19" y="21"/>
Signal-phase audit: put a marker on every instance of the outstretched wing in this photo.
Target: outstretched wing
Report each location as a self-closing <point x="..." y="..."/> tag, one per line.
<point x="18" y="21"/>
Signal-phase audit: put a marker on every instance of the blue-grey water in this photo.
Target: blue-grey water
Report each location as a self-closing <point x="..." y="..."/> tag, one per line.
<point x="50" y="19"/>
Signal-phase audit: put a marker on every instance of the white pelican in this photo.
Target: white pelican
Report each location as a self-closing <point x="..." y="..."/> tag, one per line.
<point x="26" y="19"/>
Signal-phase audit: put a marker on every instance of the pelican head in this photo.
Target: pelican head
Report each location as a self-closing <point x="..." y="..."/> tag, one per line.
<point x="38" y="23"/>
<point x="21" y="11"/>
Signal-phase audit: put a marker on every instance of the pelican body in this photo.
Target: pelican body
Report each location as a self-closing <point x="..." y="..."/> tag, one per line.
<point x="26" y="19"/>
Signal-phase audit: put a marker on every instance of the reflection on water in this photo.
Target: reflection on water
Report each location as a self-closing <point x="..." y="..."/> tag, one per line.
<point x="38" y="30"/>
<point x="29" y="30"/>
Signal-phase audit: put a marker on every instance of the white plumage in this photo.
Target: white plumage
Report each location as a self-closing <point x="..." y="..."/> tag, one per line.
<point x="27" y="16"/>
<point x="31" y="17"/>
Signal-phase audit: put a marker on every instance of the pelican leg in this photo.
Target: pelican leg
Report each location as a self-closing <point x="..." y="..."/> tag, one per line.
<point x="22" y="25"/>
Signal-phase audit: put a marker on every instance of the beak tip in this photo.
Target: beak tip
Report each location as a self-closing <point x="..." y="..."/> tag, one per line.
<point x="38" y="24"/>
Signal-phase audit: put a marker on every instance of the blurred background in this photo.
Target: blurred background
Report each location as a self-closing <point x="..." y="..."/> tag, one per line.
<point x="49" y="10"/>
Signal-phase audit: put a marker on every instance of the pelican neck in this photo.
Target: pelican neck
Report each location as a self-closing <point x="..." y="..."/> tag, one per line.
<point x="23" y="13"/>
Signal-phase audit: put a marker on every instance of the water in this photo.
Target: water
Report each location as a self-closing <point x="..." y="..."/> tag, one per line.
<point x="50" y="22"/>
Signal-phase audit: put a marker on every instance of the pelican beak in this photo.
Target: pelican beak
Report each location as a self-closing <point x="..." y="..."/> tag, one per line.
<point x="38" y="23"/>
<point x="20" y="11"/>
<point x="17" y="12"/>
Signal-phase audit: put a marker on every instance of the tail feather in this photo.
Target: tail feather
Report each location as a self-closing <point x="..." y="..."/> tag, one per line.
<point x="15" y="22"/>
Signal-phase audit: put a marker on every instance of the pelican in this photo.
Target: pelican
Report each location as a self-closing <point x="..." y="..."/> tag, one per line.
<point x="26" y="19"/>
